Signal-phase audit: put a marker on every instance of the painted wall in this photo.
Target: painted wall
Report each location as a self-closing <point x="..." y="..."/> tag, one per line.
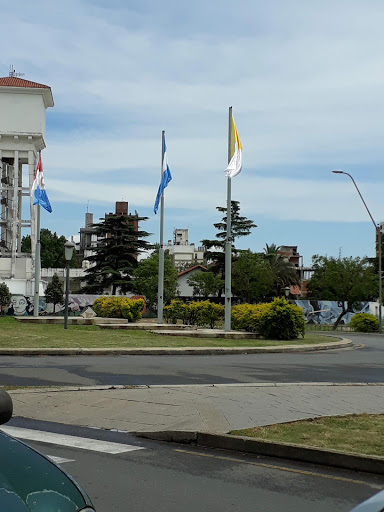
<point x="326" y="312"/>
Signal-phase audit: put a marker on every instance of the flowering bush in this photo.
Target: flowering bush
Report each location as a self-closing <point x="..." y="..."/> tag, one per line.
<point x="119" y="307"/>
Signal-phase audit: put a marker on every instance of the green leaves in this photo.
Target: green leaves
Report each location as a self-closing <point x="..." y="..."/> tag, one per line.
<point x="146" y="279"/>
<point x="120" y="243"/>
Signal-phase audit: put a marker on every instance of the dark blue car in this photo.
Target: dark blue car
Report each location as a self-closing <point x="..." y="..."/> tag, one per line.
<point x="29" y="481"/>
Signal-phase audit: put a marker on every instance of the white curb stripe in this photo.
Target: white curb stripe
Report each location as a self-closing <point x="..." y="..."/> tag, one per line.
<point x="59" y="460"/>
<point x="72" y="441"/>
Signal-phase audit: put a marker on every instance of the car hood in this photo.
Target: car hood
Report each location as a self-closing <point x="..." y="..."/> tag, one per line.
<point x="31" y="482"/>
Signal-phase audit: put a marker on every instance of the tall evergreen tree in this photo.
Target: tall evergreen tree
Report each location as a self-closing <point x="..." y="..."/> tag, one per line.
<point x="54" y="293"/>
<point x="5" y="297"/>
<point x="115" y="257"/>
<point x="215" y="249"/>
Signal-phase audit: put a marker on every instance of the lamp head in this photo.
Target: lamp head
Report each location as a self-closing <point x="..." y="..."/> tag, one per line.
<point x="338" y="171"/>
<point x="68" y="250"/>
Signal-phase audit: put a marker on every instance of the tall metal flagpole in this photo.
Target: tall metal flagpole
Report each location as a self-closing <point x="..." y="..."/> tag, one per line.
<point x="160" y="294"/>
<point x="37" y="264"/>
<point x="228" y="240"/>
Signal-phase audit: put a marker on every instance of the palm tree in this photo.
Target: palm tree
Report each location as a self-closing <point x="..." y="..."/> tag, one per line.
<point x="285" y="272"/>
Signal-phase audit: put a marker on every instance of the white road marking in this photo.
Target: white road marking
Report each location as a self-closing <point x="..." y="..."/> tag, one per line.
<point x="82" y="443"/>
<point x="59" y="460"/>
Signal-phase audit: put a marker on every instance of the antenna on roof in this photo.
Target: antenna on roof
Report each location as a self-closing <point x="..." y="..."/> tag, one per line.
<point x="87" y="205"/>
<point x="12" y="72"/>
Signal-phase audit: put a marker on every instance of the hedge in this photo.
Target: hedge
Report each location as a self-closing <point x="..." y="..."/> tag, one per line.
<point x="199" y="313"/>
<point x="119" y="307"/>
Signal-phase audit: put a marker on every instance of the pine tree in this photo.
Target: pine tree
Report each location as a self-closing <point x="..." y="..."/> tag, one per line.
<point x="215" y="249"/>
<point x="120" y="243"/>
<point x="54" y="292"/>
<point x="5" y="297"/>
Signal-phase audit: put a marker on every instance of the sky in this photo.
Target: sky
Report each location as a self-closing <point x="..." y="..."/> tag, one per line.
<point x="305" y="80"/>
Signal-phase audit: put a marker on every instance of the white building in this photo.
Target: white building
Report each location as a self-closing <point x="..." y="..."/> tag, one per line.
<point x="183" y="253"/>
<point x="23" y="107"/>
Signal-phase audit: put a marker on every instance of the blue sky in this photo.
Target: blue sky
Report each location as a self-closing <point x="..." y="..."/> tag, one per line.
<point x="305" y="80"/>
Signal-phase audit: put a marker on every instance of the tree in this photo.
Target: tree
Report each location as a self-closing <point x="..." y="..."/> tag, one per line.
<point x="5" y="297"/>
<point x="215" y="249"/>
<point x="52" y="249"/>
<point x="347" y="280"/>
<point x="205" y="283"/>
<point x="285" y="273"/>
<point x="54" y="292"/>
<point x="146" y="279"/>
<point x="252" y="277"/>
<point x="115" y="256"/>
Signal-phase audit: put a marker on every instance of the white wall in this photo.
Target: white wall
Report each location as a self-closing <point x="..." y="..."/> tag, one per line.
<point x="22" y="112"/>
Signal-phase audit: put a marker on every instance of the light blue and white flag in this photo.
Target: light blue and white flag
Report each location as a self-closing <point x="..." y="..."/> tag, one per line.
<point x="165" y="179"/>
<point x="38" y="192"/>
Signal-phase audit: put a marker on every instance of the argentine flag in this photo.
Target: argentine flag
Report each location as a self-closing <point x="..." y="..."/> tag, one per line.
<point x="38" y="192"/>
<point x="165" y="179"/>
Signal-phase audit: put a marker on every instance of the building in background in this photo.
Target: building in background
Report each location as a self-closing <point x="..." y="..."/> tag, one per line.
<point x="183" y="253"/>
<point x="291" y="254"/>
<point x="23" y="106"/>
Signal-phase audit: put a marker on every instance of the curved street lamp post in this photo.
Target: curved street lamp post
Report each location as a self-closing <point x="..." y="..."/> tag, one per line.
<point x="378" y="228"/>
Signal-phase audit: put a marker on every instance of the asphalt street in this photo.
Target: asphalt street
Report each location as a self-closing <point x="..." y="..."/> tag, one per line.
<point x="171" y="477"/>
<point x="362" y="363"/>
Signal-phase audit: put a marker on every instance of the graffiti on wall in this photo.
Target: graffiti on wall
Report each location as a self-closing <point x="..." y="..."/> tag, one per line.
<point x="326" y="312"/>
<point x="22" y="305"/>
<point x="316" y="312"/>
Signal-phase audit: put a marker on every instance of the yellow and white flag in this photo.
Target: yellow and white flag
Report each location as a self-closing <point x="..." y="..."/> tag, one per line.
<point x="236" y="163"/>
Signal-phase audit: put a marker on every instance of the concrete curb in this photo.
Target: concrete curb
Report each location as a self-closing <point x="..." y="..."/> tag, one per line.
<point x="343" y="343"/>
<point x="111" y="387"/>
<point x="295" y="452"/>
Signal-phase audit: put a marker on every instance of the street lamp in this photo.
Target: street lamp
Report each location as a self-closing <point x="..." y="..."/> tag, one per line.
<point x="68" y="253"/>
<point x="378" y="228"/>
<point x="286" y="291"/>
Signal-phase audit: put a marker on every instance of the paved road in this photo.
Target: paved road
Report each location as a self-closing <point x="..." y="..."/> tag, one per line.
<point x="347" y="365"/>
<point x="171" y="478"/>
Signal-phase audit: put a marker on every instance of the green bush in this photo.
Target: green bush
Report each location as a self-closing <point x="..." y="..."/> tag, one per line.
<point x="175" y="311"/>
<point x="364" y="322"/>
<point x="119" y="307"/>
<point x="275" y="320"/>
<point x="246" y="317"/>
<point x="199" y="313"/>
<point x="282" y="321"/>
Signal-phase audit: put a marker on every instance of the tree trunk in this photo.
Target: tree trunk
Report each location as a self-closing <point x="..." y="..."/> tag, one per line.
<point x="343" y="312"/>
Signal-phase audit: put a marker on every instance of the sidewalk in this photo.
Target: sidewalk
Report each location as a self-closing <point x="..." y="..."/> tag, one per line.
<point x="207" y="408"/>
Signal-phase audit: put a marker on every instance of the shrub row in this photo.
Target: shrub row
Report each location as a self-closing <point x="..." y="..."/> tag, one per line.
<point x="200" y="313"/>
<point x="277" y="320"/>
<point x="119" y="307"/>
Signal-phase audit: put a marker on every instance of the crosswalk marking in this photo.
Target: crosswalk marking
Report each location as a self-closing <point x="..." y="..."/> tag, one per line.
<point x="59" y="460"/>
<point x="82" y="443"/>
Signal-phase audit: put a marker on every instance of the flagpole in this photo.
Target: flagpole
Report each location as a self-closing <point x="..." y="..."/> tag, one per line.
<point x="37" y="264"/>
<point x="160" y="295"/>
<point x="228" y="240"/>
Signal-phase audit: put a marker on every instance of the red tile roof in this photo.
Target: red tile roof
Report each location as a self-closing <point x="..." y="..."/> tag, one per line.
<point x="13" y="81"/>
<point x="192" y="268"/>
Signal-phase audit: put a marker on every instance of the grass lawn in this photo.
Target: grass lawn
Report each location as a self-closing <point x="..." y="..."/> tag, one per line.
<point x="14" y="334"/>
<point x="354" y="433"/>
